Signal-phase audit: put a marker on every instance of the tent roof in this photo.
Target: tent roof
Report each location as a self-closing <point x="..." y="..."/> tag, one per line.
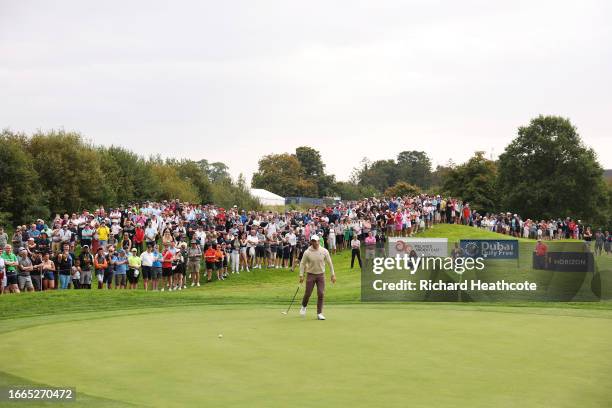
<point x="261" y="193"/>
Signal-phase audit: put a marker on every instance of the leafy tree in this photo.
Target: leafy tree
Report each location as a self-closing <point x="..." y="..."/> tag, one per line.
<point x="172" y="185"/>
<point x="548" y="172"/>
<point x="414" y="167"/>
<point x="282" y="174"/>
<point x="314" y="170"/>
<point x="310" y="160"/>
<point x="127" y="175"/>
<point x="474" y="182"/>
<point x="21" y="198"/>
<point x="401" y="189"/>
<point x="362" y="167"/>
<point x="439" y="175"/>
<point x="215" y="171"/>
<point x="69" y="171"/>
<point x="227" y="194"/>
<point x="381" y="174"/>
<point x="191" y="171"/>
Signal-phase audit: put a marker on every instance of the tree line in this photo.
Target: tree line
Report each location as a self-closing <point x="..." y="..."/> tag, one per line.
<point x="58" y="172"/>
<point x="545" y="172"/>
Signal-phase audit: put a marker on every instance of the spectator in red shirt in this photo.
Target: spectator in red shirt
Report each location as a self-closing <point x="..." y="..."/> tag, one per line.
<point x="167" y="258"/>
<point x="540" y="255"/>
<point x="139" y="236"/>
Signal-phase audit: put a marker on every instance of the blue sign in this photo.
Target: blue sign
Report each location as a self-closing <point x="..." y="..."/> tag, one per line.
<point x="490" y="248"/>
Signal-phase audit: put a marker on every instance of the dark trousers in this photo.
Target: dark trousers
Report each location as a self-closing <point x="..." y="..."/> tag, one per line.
<point x="311" y="280"/>
<point x="355" y="253"/>
<point x="291" y="255"/>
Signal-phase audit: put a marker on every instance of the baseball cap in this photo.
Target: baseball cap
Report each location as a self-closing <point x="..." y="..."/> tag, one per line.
<point x="314" y="237"/>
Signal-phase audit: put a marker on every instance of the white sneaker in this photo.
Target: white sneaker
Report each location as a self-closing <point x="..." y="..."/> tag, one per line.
<point x="320" y="316"/>
<point x="192" y="284"/>
<point x="170" y="289"/>
<point x="303" y="311"/>
<point x="162" y="289"/>
<point x="185" y="286"/>
<point x="198" y="284"/>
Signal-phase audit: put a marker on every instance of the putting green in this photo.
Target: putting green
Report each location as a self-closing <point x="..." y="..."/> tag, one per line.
<point x="363" y="355"/>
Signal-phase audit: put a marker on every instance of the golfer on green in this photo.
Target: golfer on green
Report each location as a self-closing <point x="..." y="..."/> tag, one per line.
<point x="313" y="264"/>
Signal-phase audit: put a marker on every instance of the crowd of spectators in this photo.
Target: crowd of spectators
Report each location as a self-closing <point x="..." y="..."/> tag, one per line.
<point x="167" y="244"/>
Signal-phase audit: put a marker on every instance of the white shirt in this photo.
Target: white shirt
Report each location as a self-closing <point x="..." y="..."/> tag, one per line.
<point x="252" y="240"/>
<point x="65" y="235"/>
<point x="271" y="230"/>
<point x="147" y="258"/>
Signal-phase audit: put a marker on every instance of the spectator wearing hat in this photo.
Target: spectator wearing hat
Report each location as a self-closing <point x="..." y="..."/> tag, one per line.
<point x="87" y="235"/>
<point x="10" y="268"/>
<point x="120" y="264"/>
<point x="134" y="266"/>
<point x="312" y="266"/>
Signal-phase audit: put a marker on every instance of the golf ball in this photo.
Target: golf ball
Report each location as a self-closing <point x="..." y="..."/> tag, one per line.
<point x="220" y="336"/>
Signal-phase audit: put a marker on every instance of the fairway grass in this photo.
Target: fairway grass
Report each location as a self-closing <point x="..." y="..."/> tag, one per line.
<point x="137" y="348"/>
<point x="379" y="355"/>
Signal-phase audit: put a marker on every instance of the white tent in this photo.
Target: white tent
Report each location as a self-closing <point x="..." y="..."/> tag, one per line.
<point x="267" y="197"/>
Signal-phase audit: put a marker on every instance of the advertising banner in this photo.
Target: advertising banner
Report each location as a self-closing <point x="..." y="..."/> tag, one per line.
<point x="418" y="246"/>
<point x="490" y="248"/>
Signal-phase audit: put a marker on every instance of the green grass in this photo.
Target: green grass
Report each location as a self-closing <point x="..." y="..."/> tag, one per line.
<point x="135" y="348"/>
<point x="456" y="232"/>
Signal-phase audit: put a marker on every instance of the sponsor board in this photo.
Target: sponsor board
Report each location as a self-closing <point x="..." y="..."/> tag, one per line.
<point x="565" y="262"/>
<point x="490" y="248"/>
<point x="421" y="246"/>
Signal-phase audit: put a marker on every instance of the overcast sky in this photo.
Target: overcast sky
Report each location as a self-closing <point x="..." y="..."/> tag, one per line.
<point x="231" y="81"/>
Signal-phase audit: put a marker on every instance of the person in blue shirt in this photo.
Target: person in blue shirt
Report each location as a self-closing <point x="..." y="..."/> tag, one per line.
<point x="119" y="262"/>
<point x="393" y="206"/>
<point x="156" y="269"/>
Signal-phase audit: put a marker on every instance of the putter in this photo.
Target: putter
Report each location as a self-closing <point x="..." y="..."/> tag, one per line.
<point x="292" y="300"/>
